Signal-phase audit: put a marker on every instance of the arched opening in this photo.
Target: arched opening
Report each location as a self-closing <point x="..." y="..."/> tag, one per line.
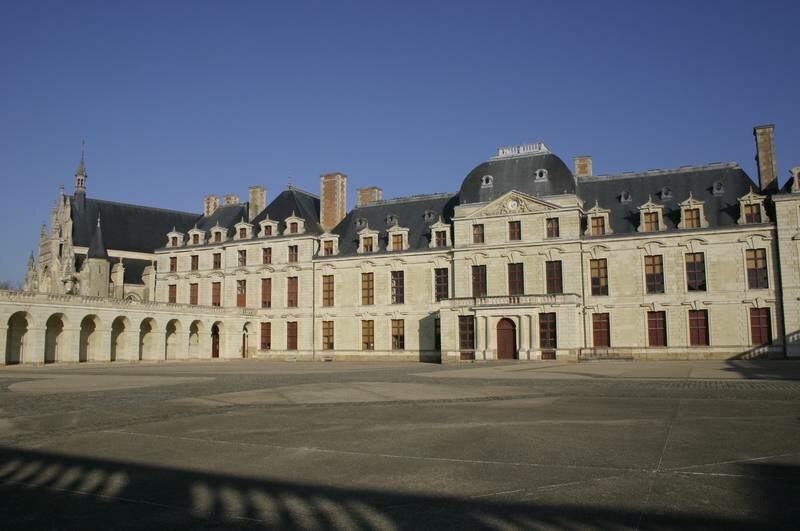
<point x="216" y="335"/>
<point x="506" y="339"/>
<point x="90" y="338"/>
<point x="194" y="339"/>
<point x="120" y="340"/>
<point x="17" y="337"/>
<point x="248" y="340"/>
<point x="173" y="343"/>
<point x="54" y="338"/>
<point x="147" y="340"/>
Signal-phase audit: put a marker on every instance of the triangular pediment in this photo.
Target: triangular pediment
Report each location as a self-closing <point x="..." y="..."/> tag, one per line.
<point x="511" y="203"/>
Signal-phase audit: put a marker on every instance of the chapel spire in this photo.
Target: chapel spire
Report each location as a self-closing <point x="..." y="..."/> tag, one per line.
<point x="80" y="179"/>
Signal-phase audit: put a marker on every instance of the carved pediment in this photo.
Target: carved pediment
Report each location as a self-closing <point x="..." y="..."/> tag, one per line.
<point x="513" y="203"/>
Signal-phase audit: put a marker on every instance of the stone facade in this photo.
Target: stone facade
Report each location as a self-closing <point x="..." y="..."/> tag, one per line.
<point x="527" y="261"/>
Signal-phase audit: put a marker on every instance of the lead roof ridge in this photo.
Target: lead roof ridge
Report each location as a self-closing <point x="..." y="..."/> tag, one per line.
<point x="661" y="171"/>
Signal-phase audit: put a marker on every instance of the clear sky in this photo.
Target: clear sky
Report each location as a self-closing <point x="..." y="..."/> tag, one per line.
<point x="180" y="99"/>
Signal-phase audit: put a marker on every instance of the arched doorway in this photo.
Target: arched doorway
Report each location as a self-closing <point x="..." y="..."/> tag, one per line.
<point x="173" y="346"/>
<point x="194" y="339"/>
<point x="119" y="338"/>
<point x="16" y="337"/>
<point x="506" y="339"/>
<point x="89" y="339"/>
<point x="216" y="332"/>
<point x="53" y="338"/>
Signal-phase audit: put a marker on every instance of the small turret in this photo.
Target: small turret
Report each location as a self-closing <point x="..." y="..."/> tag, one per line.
<point x="96" y="271"/>
<point x="79" y="195"/>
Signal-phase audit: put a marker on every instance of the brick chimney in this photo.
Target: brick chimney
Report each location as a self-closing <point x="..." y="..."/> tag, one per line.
<point x="258" y="201"/>
<point x="231" y="199"/>
<point x="368" y="195"/>
<point x="210" y="204"/>
<point x="765" y="157"/>
<point x="583" y="166"/>
<point x="333" y="199"/>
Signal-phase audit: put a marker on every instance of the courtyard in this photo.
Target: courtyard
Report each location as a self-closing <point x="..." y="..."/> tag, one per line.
<point x="248" y="444"/>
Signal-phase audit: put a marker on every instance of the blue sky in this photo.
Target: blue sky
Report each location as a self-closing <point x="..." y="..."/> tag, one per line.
<point x="180" y="99"/>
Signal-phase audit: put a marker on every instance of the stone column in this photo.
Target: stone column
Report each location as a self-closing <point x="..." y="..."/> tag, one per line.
<point x="490" y="340"/>
<point x="71" y="351"/>
<point x="480" y="337"/>
<point x="522" y="327"/>
<point x="33" y="345"/>
<point x="103" y="341"/>
<point x="531" y="339"/>
<point x="3" y="343"/>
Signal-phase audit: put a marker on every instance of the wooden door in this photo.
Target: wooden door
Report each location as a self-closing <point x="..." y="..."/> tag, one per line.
<point x="506" y="340"/>
<point x="215" y="343"/>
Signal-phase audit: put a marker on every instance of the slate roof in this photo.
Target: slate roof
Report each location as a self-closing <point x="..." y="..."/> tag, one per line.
<point x="410" y="213"/>
<point x="293" y="200"/>
<point x="97" y="248"/>
<point x="226" y="216"/>
<point x="127" y="227"/>
<point x="517" y="173"/>
<point x="721" y="209"/>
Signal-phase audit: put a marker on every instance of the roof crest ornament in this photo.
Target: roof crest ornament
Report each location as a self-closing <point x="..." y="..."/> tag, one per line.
<point x="535" y="148"/>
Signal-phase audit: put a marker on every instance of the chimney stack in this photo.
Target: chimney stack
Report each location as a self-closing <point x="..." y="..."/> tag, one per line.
<point x="258" y="201"/>
<point x="368" y="195"/>
<point x="231" y="199"/>
<point x="583" y="166"/>
<point x="333" y="199"/>
<point x="210" y="204"/>
<point x="767" y="165"/>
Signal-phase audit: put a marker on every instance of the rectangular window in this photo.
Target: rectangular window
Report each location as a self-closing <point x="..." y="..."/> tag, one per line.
<point x="193" y="293"/>
<point x="657" y="329"/>
<point x="650" y="221"/>
<point x="466" y="332"/>
<point x="291" y="335"/>
<point x="477" y="234"/>
<point x="695" y="272"/>
<point x="398" y="287"/>
<point x="441" y="283"/>
<point x="195" y="261"/>
<point x="760" y="326"/>
<point x="267" y="230"/>
<point x="328" y="248"/>
<point x="547" y="331"/>
<point x="241" y="293"/>
<point x="173" y="263"/>
<point x="598" y="226"/>
<point x="514" y="231"/>
<point x="266" y="293"/>
<point x="516" y="279"/>
<point x="654" y="273"/>
<point x="195" y="239"/>
<point x="441" y="238"/>
<point x="217" y="237"/>
<point x="691" y="218"/>
<point x="266" y="336"/>
<point x="266" y="255"/>
<point x="242" y="254"/>
<point x="217" y="260"/>
<point x="291" y="292"/>
<point x="752" y="213"/>
<point x="216" y="293"/>
<point x="552" y="228"/>
<point x="397" y="242"/>
<point x="479" y="281"/>
<point x="367" y="288"/>
<point x="398" y="334"/>
<point x="369" y="244"/>
<point x="698" y="328"/>
<point x="293" y="253"/>
<point x="552" y="273"/>
<point x="367" y="335"/>
<point x="327" y="335"/>
<point x="757" y="277"/>
<point x="599" y="274"/>
<point x="601" y="331"/>
<point x="242" y="233"/>
<point x="327" y="290"/>
<point x="174" y="241"/>
<point x="173" y="293"/>
<point x="293" y="227"/>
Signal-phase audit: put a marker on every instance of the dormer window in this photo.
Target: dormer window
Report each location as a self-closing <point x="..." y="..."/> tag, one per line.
<point x="330" y="244"/>
<point x="174" y="238"/>
<point x="692" y="214"/>
<point x="268" y="227"/>
<point x="327" y="248"/>
<point x="441" y="238"/>
<point x="361" y="223"/>
<point x="691" y="218"/>
<point x="368" y="244"/>
<point x="293" y="227"/>
<point x="598" y="226"/>
<point x="242" y="230"/>
<point x="651" y="217"/>
<point x="440" y="234"/>
<point x="598" y="222"/>
<point x="398" y="238"/>
<point x="174" y="241"/>
<point x="397" y="242"/>
<point x="718" y="188"/>
<point x="751" y="208"/>
<point x="218" y="236"/>
<point x="391" y="220"/>
<point x="367" y="239"/>
<point x="625" y="197"/>
<point x="540" y="175"/>
<point x="666" y="193"/>
<point x="487" y="181"/>
<point x="195" y="239"/>
<point x="242" y="233"/>
<point x="268" y="230"/>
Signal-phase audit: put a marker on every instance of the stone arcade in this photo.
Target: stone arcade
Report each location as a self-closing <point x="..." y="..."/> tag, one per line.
<point x="528" y="260"/>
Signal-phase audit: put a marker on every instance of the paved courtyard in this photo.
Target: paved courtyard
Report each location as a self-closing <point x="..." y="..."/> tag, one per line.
<point x="246" y="444"/>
